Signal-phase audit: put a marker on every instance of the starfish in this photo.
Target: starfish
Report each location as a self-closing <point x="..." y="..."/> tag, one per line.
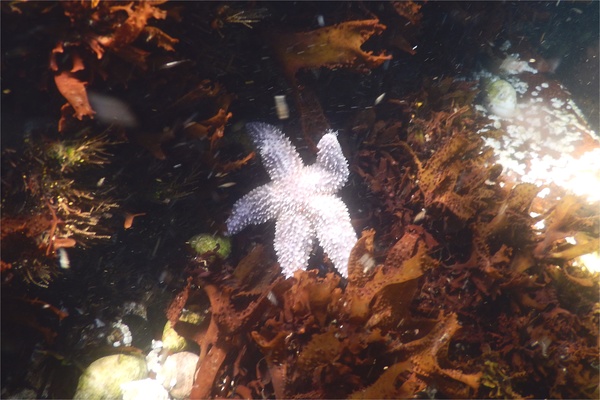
<point x="300" y="198"/>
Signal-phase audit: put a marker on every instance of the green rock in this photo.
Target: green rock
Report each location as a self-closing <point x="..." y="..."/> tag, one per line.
<point x="204" y="243"/>
<point x="178" y="374"/>
<point x="171" y="339"/>
<point x="103" y="378"/>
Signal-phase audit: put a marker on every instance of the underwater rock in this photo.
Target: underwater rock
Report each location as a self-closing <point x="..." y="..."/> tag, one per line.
<point x="171" y="340"/>
<point x="204" y="243"/>
<point x="103" y="378"/>
<point x="147" y="389"/>
<point x="501" y="98"/>
<point x="178" y="374"/>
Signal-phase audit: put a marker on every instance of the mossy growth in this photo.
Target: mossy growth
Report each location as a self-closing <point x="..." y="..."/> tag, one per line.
<point x="205" y="243"/>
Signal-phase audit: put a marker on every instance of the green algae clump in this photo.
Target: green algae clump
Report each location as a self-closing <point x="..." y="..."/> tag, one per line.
<point x="204" y="243"/>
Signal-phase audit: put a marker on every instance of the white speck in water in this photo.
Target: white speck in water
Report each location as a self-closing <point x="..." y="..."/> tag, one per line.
<point x="63" y="258"/>
<point x="379" y="98"/>
<point x="281" y="106"/>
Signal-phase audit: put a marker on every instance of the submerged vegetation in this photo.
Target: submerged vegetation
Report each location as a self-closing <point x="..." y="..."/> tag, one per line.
<point x="47" y="207"/>
<point x="475" y="274"/>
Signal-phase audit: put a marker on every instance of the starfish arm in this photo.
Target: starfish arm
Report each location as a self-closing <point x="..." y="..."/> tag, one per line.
<point x="278" y="155"/>
<point x="334" y="230"/>
<point x="332" y="161"/>
<point x="254" y="208"/>
<point x="293" y="242"/>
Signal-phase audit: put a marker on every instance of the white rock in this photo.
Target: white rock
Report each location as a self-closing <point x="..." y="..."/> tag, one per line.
<point x="144" y="389"/>
<point x="177" y="374"/>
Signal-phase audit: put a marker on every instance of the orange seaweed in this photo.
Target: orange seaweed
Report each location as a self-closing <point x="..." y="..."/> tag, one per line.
<point x="116" y="35"/>
<point x="74" y="91"/>
<point x="332" y="46"/>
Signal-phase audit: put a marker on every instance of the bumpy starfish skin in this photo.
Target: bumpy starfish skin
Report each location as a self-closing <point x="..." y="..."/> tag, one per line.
<point x="300" y="198"/>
